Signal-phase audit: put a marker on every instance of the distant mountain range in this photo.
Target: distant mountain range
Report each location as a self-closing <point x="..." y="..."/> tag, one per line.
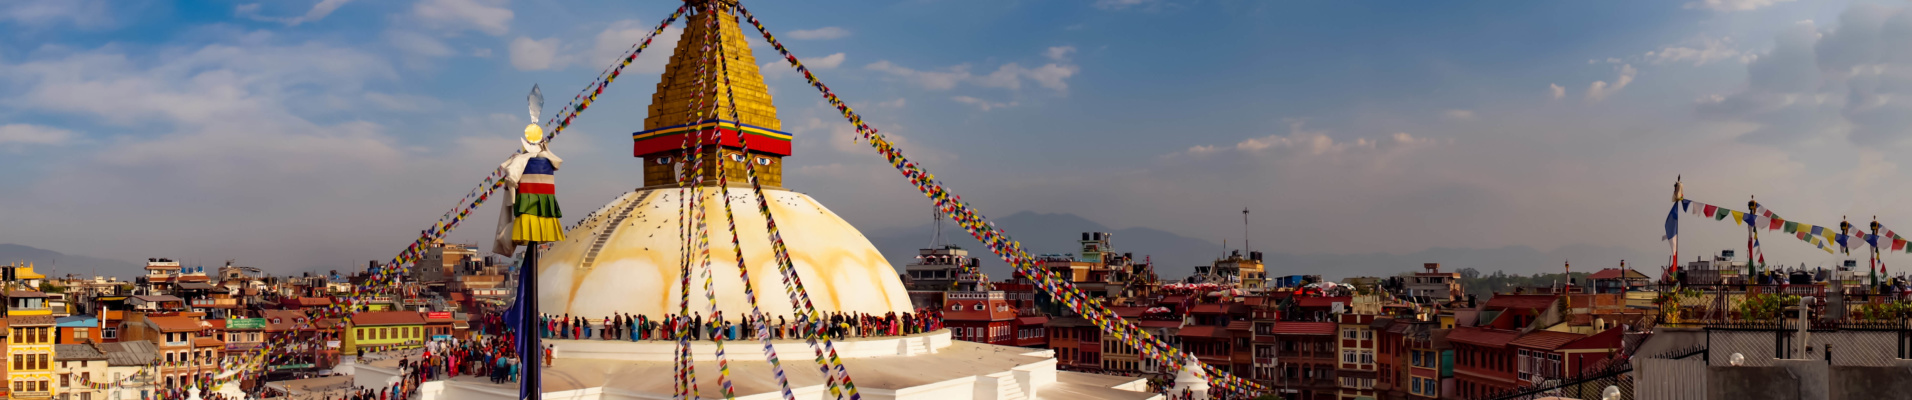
<point x="54" y="263"/>
<point x="1176" y="256"/>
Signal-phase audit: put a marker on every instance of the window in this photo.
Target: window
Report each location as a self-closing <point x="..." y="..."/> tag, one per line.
<point x="43" y="365"/>
<point x="109" y="333"/>
<point x="17" y="364"/>
<point x="66" y="380"/>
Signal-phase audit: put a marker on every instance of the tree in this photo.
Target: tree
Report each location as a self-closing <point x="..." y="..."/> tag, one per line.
<point x="1469" y="273"/>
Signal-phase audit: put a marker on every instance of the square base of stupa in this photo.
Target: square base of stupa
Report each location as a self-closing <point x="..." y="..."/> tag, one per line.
<point x="925" y="366"/>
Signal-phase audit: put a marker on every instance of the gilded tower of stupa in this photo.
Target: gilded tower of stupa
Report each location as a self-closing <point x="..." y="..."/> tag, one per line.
<point x="626" y="258"/>
<point x="676" y="109"/>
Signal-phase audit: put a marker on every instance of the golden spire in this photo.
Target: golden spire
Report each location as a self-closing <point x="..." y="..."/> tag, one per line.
<point x="675" y="108"/>
<point x="676" y="92"/>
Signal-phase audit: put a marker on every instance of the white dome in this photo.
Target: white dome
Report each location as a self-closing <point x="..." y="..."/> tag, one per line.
<point x="637" y="268"/>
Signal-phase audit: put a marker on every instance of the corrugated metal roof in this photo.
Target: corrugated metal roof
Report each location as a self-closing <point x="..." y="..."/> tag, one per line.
<point x="64" y="352"/>
<point x="131" y="353"/>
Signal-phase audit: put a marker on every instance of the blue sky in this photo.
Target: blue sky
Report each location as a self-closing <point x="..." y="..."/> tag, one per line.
<point x="302" y="133"/>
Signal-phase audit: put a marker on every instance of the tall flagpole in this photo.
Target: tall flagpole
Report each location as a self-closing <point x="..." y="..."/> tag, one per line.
<point x="529" y="359"/>
<point x="1877" y="264"/>
<point x="1752" y="239"/>
<point x="1673" y="230"/>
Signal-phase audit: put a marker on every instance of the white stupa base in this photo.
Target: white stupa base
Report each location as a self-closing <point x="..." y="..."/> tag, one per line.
<point x="924" y="366"/>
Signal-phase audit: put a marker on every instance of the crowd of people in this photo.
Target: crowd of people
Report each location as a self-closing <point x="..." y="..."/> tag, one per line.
<point x="495" y="357"/>
<point x="696" y="327"/>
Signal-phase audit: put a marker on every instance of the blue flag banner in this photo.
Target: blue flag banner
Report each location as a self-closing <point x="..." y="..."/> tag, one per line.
<point x="522" y="318"/>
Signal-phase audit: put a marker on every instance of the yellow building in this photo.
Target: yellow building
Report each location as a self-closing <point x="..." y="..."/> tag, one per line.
<point x="30" y="353"/>
<point x="384" y="331"/>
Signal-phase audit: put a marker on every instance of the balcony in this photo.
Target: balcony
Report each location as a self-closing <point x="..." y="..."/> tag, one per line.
<point x="215" y="303"/>
<point x="1264" y="361"/>
<point x="990" y="295"/>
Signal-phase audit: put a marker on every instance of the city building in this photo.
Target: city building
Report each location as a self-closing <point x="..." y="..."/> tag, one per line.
<point x="78" y="329"/>
<point x="174" y="337"/>
<point x="127" y="365"/>
<point x="935" y="271"/>
<point x="1617" y="280"/>
<point x="1306" y="352"/>
<point x="30" y="349"/>
<point x="384" y="331"/>
<point x="1483" y="360"/>
<point x="1539" y="358"/>
<point x="1431" y="286"/>
<point x="79" y="365"/>
<point x="1355" y="342"/>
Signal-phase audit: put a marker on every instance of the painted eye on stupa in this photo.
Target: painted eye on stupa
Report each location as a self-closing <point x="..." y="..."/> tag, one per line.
<point x="736" y="157"/>
<point x="763" y="160"/>
<point x="663" y="160"/>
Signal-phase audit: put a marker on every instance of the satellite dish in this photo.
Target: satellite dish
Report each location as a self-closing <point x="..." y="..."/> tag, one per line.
<point x="1737" y="359"/>
<point x="1611" y="393"/>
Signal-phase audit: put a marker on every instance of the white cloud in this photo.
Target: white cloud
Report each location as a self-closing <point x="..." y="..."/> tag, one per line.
<point x="481" y="52"/>
<point x="1060" y="53"/>
<point x="317" y="12"/>
<point x="826" y="62"/>
<point x="895" y="103"/>
<point x="1828" y="85"/>
<point x="418" y="44"/>
<point x="1053" y="76"/>
<point x="534" y="55"/>
<point x="488" y="16"/>
<point x="1557" y="91"/>
<point x="1599" y="90"/>
<point x="1121" y="4"/>
<point x="1458" y="115"/>
<point x="828" y="32"/>
<point x="88" y="14"/>
<point x="1302" y="141"/>
<point x="614" y="40"/>
<point x="34" y="134"/>
<point x="402" y="102"/>
<point x="933" y="80"/>
<point x="985" y="105"/>
<point x="1707" y="50"/>
<point x="778" y="68"/>
<point x="1733" y="5"/>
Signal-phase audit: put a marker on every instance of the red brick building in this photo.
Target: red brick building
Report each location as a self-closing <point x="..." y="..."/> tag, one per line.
<point x="1307" y="355"/>
<point x="1484" y="363"/>
<point x="1538" y="358"/>
<point x="1077" y="343"/>
<point x="980" y="316"/>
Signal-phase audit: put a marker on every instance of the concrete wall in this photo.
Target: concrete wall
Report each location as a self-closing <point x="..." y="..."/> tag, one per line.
<point x="1751" y="383"/>
<point x="1859" y="383"/>
<point x="1785" y="380"/>
<point x="1663" y="379"/>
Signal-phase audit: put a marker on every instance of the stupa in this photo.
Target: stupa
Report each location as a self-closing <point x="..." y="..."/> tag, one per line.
<point x="625" y="259"/>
